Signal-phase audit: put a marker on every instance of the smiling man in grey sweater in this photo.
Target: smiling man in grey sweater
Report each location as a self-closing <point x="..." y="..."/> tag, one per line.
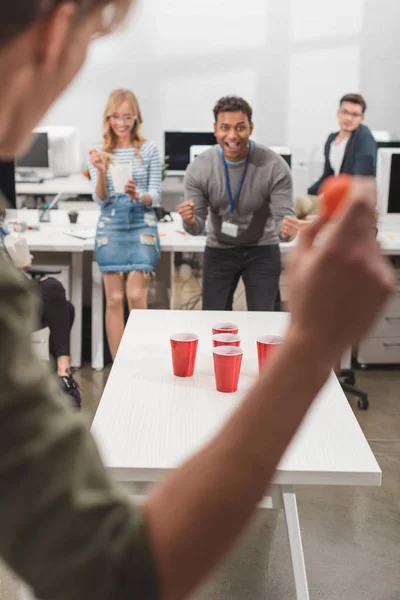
<point x="245" y="191"/>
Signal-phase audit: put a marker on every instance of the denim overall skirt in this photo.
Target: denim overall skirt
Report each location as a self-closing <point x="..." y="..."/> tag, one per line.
<point x="126" y="237"/>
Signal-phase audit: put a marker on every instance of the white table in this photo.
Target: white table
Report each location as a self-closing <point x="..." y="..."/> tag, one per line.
<point x="148" y="421"/>
<point x="74" y="185"/>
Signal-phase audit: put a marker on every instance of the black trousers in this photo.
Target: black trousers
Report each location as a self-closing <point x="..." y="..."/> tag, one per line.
<point x="56" y="313"/>
<point x="259" y="267"/>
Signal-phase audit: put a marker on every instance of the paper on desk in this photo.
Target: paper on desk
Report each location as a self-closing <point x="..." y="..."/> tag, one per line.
<point x="82" y="234"/>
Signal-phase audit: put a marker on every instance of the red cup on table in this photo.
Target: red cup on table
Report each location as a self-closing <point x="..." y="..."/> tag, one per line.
<point x="226" y="339"/>
<point x="225" y="328"/>
<point x="227" y="363"/>
<point x="266" y="345"/>
<point x="184" y="351"/>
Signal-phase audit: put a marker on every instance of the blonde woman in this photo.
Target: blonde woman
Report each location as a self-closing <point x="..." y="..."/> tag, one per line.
<point x="127" y="243"/>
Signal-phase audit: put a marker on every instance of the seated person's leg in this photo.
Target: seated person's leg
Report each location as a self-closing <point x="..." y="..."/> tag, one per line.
<point x="57" y="313"/>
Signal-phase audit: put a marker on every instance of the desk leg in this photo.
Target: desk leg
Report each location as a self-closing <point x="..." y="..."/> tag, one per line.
<point x="172" y="279"/>
<point x="296" y="546"/>
<point x="76" y="299"/>
<point x="97" y="319"/>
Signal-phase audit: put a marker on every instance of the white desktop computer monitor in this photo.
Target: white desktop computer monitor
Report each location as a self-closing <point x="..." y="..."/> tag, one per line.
<point x="388" y="181"/>
<point x="36" y="161"/>
<point x="7" y="183"/>
<point x="177" y="147"/>
<point x="195" y="151"/>
<point x="65" y="149"/>
<point x="181" y="146"/>
<point x="284" y="152"/>
<point x="381" y="135"/>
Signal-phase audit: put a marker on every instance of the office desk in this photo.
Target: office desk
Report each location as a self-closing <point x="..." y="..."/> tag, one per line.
<point x="148" y="421"/>
<point x="52" y="238"/>
<point x="74" y="185"/>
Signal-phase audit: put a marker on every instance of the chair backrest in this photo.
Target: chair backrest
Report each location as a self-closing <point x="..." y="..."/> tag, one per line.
<point x="40" y="340"/>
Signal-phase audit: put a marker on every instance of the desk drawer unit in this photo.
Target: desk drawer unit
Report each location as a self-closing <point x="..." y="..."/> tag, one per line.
<point x="379" y="351"/>
<point x="382" y="346"/>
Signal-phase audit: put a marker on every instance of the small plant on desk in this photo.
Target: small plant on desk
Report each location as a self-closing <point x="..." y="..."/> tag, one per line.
<point x="73" y="216"/>
<point x="164" y="168"/>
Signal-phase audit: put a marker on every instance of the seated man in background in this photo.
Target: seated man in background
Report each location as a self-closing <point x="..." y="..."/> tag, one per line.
<point x="351" y="150"/>
<point x="246" y="191"/>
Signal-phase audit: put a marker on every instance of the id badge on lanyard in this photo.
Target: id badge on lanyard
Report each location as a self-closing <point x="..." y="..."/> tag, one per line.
<point x="228" y="227"/>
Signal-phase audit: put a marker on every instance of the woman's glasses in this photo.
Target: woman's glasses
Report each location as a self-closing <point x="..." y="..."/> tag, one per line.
<point x="125" y="119"/>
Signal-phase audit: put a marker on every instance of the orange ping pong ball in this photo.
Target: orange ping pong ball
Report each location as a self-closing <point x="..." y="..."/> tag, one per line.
<point x="335" y="191"/>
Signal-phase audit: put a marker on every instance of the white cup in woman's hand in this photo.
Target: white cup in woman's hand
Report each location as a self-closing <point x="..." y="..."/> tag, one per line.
<point x="130" y="189"/>
<point x="120" y="175"/>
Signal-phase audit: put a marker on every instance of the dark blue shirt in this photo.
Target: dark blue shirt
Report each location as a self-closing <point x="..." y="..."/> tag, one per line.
<point x="359" y="157"/>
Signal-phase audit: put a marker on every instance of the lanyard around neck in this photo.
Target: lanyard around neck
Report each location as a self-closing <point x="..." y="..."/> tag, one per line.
<point x="233" y="201"/>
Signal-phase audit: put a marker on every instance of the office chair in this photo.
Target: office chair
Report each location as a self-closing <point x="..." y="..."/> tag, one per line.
<point x="39" y="272"/>
<point x="347" y="379"/>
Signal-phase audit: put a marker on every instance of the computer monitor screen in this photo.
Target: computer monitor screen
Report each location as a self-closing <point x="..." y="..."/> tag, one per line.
<point x="65" y="149"/>
<point x="391" y="144"/>
<point x="394" y="185"/>
<point x="177" y="145"/>
<point x="388" y="180"/>
<point x="7" y="183"/>
<point x="37" y="156"/>
<point x="181" y="145"/>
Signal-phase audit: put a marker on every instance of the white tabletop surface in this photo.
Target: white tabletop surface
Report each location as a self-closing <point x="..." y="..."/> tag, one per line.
<point x="148" y="421"/>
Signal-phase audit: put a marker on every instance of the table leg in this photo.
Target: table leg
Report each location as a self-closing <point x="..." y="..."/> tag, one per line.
<point x="97" y="319"/>
<point x="76" y="299"/>
<point x="345" y="362"/>
<point x="172" y="280"/>
<point x="296" y="546"/>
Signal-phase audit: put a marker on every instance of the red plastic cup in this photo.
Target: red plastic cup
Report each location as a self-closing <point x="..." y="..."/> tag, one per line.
<point x="266" y="345"/>
<point x="184" y="350"/>
<point x="227" y="363"/>
<point x="225" y="328"/>
<point x="226" y="339"/>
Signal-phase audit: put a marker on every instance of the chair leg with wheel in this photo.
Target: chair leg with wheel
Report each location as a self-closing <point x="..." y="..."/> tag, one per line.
<point x="347" y="380"/>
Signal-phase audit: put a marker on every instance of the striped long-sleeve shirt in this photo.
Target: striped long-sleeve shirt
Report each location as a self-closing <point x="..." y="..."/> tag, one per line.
<point x="146" y="171"/>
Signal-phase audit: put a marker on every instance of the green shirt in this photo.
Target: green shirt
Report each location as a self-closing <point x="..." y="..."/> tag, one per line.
<point x="65" y="528"/>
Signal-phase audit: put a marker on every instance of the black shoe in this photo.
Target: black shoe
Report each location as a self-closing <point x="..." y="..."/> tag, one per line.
<point x="71" y="388"/>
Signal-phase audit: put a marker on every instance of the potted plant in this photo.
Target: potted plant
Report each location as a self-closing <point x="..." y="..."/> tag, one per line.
<point x="73" y="216"/>
<point x="164" y="168"/>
